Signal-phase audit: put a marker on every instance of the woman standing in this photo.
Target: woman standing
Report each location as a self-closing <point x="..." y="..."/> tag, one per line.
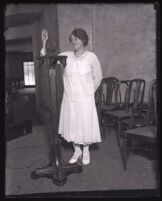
<point x="78" y="117"/>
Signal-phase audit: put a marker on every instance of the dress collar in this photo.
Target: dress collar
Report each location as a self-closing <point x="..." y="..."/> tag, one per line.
<point x="80" y="57"/>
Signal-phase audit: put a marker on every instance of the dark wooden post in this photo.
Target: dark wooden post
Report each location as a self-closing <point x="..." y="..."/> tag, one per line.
<point x="57" y="169"/>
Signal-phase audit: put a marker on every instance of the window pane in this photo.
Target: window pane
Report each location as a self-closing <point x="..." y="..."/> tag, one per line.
<point x="29" y="76"/>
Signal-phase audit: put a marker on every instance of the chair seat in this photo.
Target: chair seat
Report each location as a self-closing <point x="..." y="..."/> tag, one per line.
<point x="120" y="113"/>
<point x="137" y="123"/>
<point x="147" y="131"/>
<point x="108" y="108"/>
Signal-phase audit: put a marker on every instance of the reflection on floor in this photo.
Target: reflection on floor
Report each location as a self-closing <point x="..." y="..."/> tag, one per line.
<point x="105" y="172"/>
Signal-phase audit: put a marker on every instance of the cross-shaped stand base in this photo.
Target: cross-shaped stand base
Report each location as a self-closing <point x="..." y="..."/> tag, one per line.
<point x="58" y="175"/>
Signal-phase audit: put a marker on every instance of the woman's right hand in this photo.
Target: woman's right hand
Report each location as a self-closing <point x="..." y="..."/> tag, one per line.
<point x="44" y="35"/>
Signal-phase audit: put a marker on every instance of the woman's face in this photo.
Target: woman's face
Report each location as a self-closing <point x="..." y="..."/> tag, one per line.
<point x="76" y="43"/>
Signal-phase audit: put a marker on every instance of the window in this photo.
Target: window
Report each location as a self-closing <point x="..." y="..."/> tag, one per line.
<point x="29" y="76"/>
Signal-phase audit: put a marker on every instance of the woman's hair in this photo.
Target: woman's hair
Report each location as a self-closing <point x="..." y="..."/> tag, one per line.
<point x="81" y="34"/>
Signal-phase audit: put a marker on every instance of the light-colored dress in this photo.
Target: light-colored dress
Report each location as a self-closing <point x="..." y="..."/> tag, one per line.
<point x="78" y="116"/>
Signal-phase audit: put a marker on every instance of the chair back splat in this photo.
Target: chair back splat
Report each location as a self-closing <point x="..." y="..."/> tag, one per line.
<point x="135" y="93"/>
<point x="109" y="87"/>
<point x="151" y="114"/>
<point x="123" y="89"/>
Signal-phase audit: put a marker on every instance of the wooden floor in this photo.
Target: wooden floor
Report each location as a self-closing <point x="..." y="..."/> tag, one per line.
<point x="104" y="173"/>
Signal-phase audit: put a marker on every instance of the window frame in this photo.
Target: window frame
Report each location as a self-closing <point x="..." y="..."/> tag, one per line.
<point x="32" y="85"/>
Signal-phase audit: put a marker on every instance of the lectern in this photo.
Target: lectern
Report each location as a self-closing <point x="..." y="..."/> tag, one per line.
<point x="50" y="91"/>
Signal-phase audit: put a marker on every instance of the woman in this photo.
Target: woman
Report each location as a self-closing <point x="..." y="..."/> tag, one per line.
<point x="78" y="116"/>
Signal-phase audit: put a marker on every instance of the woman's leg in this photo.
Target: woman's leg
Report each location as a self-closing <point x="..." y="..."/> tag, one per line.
<point x="86" y="155"/>
<point x="77" y="153"/>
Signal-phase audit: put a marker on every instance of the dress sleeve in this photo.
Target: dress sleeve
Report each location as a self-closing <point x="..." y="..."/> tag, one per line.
<point x="97" y="71"/>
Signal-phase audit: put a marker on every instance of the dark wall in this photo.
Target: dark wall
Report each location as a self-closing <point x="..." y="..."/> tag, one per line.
<point x="14" y="64"/>
<point x="124" y="38"/>
<point x="71" y="16"/>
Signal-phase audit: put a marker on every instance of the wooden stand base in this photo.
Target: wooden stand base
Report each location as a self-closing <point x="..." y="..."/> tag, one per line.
<point x="57" y="169"/>
<point x="57" y="174"/>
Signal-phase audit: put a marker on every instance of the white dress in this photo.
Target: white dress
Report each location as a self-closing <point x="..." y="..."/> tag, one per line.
<point x="78" y="116"/>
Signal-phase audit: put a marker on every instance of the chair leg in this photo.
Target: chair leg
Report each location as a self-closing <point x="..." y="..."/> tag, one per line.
<point x="108" y="124"/>
<point x="103" y="132"/>
<point x="125" y="152"/>
<point x="118" y="132"/>
<point x="103" y="126"/>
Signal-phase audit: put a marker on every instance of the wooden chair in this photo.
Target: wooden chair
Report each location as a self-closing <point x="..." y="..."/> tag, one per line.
<point x="108" y="100"/>
<point x="121" y="97"/>
<point x="133" y="99"/>
<point x="146" y="135"/>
